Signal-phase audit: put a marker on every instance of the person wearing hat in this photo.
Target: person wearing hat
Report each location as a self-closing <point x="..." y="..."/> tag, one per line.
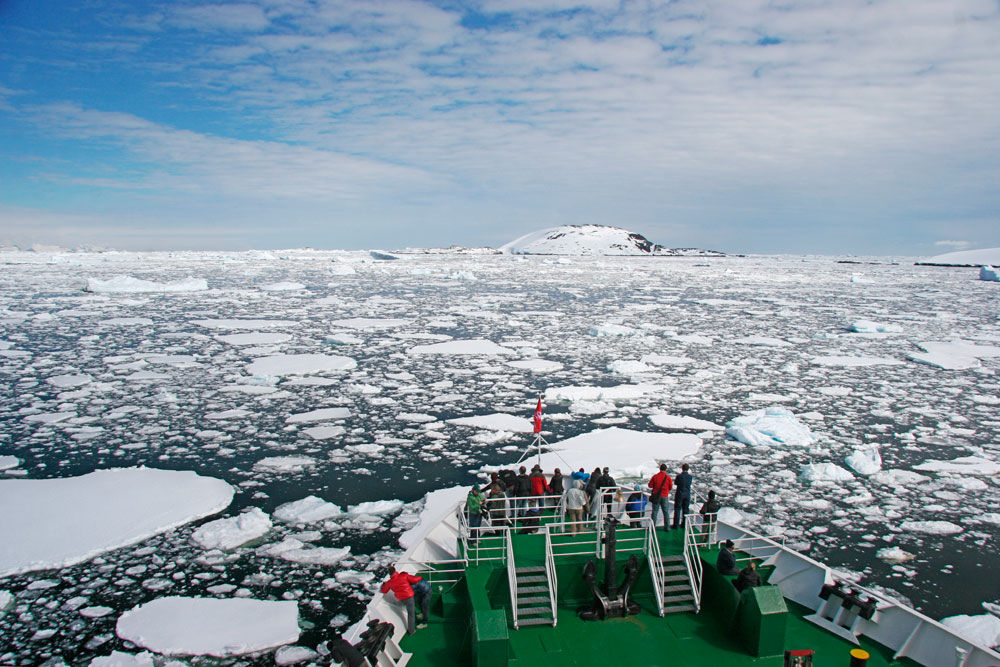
<point x="726" y="562"/>
<point x="636" y="504"/>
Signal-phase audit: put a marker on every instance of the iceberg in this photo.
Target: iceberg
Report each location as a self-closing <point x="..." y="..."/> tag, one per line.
<point x="989" y="273"/>
<point x="824" y="472"/>
<point x="130" y="285"/>
<point x="865" y="460"/>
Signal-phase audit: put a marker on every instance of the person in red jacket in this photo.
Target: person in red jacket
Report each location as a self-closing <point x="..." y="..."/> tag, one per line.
<point x="404" y="587"/>
<point x="659" y="491"/>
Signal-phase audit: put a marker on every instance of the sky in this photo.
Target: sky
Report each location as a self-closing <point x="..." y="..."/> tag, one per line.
<point x="867" y="127"/>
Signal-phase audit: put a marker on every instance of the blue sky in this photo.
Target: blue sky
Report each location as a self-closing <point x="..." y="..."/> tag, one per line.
<point x="842" y="126"/>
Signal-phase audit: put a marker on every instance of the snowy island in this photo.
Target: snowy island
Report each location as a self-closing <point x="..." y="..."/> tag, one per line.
<point x="589" y="240"/>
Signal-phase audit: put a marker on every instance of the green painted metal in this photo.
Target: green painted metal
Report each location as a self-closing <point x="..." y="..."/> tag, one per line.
<point x="473" y="633"/>
<point x="761" y="621"/>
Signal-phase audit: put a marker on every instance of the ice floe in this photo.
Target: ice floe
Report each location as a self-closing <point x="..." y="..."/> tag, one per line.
<point x="867" y="326"/>
<point x="824" y="472"/>
<point x="210" y="626"/>
<point x="321" y="414"/>
<point x="498" y="421"/>
<point x="931" y="527"/>
<point x="284" y="286"/>
<point x="69" y="520"/>
<point x="536" y="365"/>
<point x="855" y="362"/>
<point x="954" y="355"/>
<point x="284" y="463"/>
<point x="255" y="338"/>
<point x="462" y="347"/>
<point x="129" y="284"/>
<point x="233" y="532"/>
<point x="865" y="460"/>
<point x="964" y="465"/>
<point x="684" y="423"/>
<point x="310" y="509"/>
<point x="770" y="427"/>
<point x="299" y="364"/>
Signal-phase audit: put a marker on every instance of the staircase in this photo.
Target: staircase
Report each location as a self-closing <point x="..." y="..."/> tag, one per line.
<point x="677" y="594"/>
<point x="532" y="597"/>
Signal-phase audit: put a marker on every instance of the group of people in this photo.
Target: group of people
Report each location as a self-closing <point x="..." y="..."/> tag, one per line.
<point x="510" y="498"/>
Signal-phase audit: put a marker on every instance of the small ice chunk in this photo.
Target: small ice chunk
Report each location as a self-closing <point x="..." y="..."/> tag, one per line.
<point x="989" y="273"/>
<point x="377" y="507"/>
<point x="322" y="414"/>
<point x="8" y="462"/>
<point x="824" y="472"/>
<point x="498" y="421"/>
<point x="476" y="346"/>
<point x="293" y="655"/>
<point x="284" y="463"/>
<point x="233" y="532"/>
<point x="867" y="326"/>
<point x="770" y="427"/>
<point x="284" y="286"/>
<point x="865" y="460"/>
<point x="683" y="423"/>
<point x="307" y="510"/>
<point x="931" y="527"/>
<point x="95" y="612"/>
<point x="894" y="555"/>
<point x="299" y="364"/>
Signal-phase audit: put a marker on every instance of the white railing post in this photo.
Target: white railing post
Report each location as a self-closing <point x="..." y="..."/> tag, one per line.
<point x="693" y="560"/>
<point x="511" y="575"/>
<point x="551" y="575"/>
<point x="655" y="563"/>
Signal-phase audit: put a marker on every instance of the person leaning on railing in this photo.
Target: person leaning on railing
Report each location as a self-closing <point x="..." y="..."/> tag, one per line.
<point x="709" y="514"/>
<point x="660" y="486"/>
<point x="475" y="504"/>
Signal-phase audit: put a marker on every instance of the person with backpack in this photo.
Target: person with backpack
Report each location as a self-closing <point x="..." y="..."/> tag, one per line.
<point x="709" y="515"/>
<point x="404" y="587"/>
<point x="522" y="491"/>
<point x="635" y="505"/>
<point x="659" y="491"/>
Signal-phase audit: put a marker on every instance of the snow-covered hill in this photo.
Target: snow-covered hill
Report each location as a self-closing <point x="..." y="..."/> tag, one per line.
<point x="592" y="240"/>
<point x="987" y="256"/>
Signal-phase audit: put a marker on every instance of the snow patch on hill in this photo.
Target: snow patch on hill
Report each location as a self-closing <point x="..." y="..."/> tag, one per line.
<point x="589" y="240"/>
<point x="987" y="256"/>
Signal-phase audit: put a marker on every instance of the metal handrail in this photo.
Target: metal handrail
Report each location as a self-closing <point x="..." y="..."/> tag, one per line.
<point x="655" y="564"/>
<point x="511" y="575"/>
<point x="551" y="575"/>
<point x="693" y="560"/>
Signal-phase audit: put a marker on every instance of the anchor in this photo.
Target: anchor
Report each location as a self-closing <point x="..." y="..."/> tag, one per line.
<point x="613" y="602"/>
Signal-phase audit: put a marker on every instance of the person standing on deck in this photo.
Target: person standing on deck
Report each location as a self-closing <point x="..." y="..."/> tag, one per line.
<point x="607" y="482"/>
<point x="682" y="496"/>
<point x="709" y="514"/>
<point x="475" y="504"/>
<point x="592" y="490"/>
<point x="556" y="485"/>
<point x="539" y="487"/>
<point x="576" y="500"/>
<point x="660" y="486"/>
<point x="635" y="506"/>
<point x="402" y="586"/>
<point x="522" y="491"/>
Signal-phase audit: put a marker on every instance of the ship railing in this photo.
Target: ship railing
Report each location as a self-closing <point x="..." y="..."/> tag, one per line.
<point x="551" y="575"/>
<point x="692" y="559"/>
<point x="438" y="573"/>
<point x="758" y="547"/>
<point x="655" y="559"/>
<point x="511" y="575"/>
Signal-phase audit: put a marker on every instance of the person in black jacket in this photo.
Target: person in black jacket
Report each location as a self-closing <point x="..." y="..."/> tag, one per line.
<point x="709" y="514"/>
<point x="682" y="496"/>
<point x="748" y="578"/>
<point x="726" y="562"/>
<point x="522" y="490"/>
<point x="605" y="482"/>
<point x="556" y="485"/>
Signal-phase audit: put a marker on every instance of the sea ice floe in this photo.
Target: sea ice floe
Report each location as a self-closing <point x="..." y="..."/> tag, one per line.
<point x="865" y="460"/>
<point x="989" y="273"/>
<point x="255" y="338"/>
<point x="284" y="286"/>
<point x="321" y="414"/>
<point x="69" y="520"/>
<point x="307" y="510"/>
<point x="629" y="367"/>
<point x="964" y="465"/>
<point x="376" y="507"/>
<point x="665" y="360"/>
<point x="931" y="527"/>
<point x="129" y="284"/>
<point x="899" y="478"/>
<point x="770" y="427"/>
<point x="536" y="365"/>
<point x="324" y="432"/>
<point x="297" y="551"/>
<point x="476" y="346"/>
<point x="766" y="341"/>
<point x="893" y="555"/>
<point x="498" y="421"/>
<point x="867" y="326"/>
<point x="69" y="380"/>
<point x="983" y="629"/>
<point x="233" y="532"/>
<point x="293" y="655"/>
<point x="622" y="392"/>
<point x="210" y="626"/>
<point x="683" y="423"/>
<point x="611" y="330"/>
<point x="370" y="323"/>
<point x="284" y="463"/>
<point x="244" y="324"/>
<point x="122" y="659"/>
<point x="8" y="462"/>
<point x="855" y="362"/>
<point x="299" y="364"/>
<point x="954" y="355"/>
<point x="824" y="472"/>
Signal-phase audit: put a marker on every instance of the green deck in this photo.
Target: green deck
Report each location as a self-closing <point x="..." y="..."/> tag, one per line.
<point x="706" y="638"/>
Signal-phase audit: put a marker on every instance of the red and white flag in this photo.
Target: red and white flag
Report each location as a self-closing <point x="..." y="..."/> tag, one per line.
<point x="538" y="416"/>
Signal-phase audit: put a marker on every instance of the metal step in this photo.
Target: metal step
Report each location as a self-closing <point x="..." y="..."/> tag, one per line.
<point x="674" y="589"/>
<point x="532" y="579"/>
<point x="531" y="589"/>
<point x="535" y="611"/>
<point x="537" y="599"/>
<point x="530" y="569"/>
<point x="671" y="559"/>
<point x="678" y="609"/>
<point x="535" y="621"/>
<point x="674" y="577"/>
<point x="678" y="598"/>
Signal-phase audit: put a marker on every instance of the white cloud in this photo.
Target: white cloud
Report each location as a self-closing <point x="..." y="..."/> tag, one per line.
<point x="958" y="245"/>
